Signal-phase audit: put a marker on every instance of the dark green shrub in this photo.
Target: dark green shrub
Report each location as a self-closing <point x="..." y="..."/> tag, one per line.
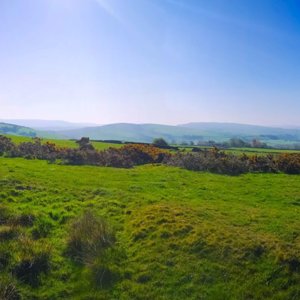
<point x="160" y="142"/>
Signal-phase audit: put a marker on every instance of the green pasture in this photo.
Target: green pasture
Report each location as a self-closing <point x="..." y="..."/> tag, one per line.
<point x="63" y="143"/>
<point x="180" y="234"/>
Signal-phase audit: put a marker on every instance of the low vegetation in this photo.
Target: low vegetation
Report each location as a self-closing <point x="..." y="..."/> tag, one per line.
<point x="212" y="160"/>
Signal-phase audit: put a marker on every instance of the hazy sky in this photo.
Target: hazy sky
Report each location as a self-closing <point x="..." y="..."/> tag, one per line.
<point x="160" y="61"/>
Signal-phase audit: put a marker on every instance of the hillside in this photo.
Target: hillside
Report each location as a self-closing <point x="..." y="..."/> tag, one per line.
<point x="244" y="130"/>
<point x="218" y="132"/>
<point x="136" y="132"/>
<point x="188" y="132"/>
<point x="13" y="129"/>
<point x="47" y="125"/>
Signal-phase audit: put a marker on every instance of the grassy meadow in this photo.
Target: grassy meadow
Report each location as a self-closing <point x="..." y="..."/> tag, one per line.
<point x="63" y="142"/>
<point x="179" y="234"/>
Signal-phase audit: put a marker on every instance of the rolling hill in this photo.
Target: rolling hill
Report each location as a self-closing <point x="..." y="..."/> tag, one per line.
<point x="135" y="132"/>
<point x="13" y="129"/>
<point x="218" y="132"/>
<point x="47" y="125"/>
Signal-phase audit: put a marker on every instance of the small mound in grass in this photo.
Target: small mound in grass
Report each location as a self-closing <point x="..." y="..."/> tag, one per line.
<point x="172" y="242"/>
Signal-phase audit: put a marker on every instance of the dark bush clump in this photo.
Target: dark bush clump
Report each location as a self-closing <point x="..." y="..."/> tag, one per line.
<point x="89" y="237"/>
<point x="34" y="259"/>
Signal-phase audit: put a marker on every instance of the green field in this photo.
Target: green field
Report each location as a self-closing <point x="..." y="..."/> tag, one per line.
<point x="249" y="151"/>
<point x="180" y="234"/>
<point x="63" y="143"/>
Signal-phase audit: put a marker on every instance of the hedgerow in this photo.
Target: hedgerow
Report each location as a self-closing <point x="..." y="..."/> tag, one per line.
<point x="130" y="155"/>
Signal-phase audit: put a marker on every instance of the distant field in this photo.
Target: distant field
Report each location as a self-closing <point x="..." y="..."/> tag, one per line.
<point x="64" y="143"/>
<point x="180" y="234"/>
<point x="260" y="151"/>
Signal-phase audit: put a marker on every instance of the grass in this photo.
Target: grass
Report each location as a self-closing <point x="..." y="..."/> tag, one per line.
<point x="249" y="151"/>
<point x="179" y="234"/>
<point x="63" y="143"/>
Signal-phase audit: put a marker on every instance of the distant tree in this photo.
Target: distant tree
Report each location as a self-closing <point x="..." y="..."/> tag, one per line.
<point x="85" y="144"/>
<point x="160" y="142"/>
<point x="192" y="143"/>
<point x="236" y="142"/>
<point x="258" y="144"/>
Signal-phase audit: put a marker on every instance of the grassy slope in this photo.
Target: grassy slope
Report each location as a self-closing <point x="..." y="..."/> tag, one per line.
<point x="185" y="235"/>
<point x="17" y="130"/>
<point x="63" y="143"/>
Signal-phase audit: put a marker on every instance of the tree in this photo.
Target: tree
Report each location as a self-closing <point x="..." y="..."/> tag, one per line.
<point x="85" y="144"/>
<point x="160" y="143"/>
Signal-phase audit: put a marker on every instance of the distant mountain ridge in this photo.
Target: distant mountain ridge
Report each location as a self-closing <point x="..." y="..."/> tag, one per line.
<point x="48" y="125"/>
<point x="218" y="132"/>
<point x="195" y="132"/>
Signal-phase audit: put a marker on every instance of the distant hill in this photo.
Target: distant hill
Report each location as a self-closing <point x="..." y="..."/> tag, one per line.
<point x="228" y="130"/>
<point x="218" y="132"/>
<point x="135" y="132"/>
<point x="48" y="125"/>
<point x="13" y="129"/>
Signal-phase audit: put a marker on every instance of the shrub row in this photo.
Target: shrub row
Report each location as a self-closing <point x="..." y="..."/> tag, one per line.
<point x="131" y="155"/>
<point x="216" y="161"/>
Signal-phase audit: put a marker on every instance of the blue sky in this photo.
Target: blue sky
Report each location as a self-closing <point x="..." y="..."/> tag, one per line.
<point x="158" y="61"/>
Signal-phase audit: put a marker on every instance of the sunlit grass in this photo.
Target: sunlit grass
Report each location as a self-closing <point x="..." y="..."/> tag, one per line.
<point x="179" y="234"/>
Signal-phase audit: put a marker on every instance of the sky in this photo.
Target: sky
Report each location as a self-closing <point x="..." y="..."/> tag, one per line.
<point x="151" y="61"/>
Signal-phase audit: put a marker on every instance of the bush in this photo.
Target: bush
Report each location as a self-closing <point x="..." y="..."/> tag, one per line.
<point x="160" y="142"/>
<point x="210" y="161"/>
<point x="289" y="163"/>
<point x="89" y="237"/>
<point x="6" y="145"/>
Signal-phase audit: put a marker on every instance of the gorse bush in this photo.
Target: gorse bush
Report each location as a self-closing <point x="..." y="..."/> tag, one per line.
<point x="216" y="161"/>
<point x="131" y="155"/>
<point x="289" y="163"/>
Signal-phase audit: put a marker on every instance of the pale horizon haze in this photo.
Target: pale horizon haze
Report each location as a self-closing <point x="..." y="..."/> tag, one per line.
<point x="151" y="61"/>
